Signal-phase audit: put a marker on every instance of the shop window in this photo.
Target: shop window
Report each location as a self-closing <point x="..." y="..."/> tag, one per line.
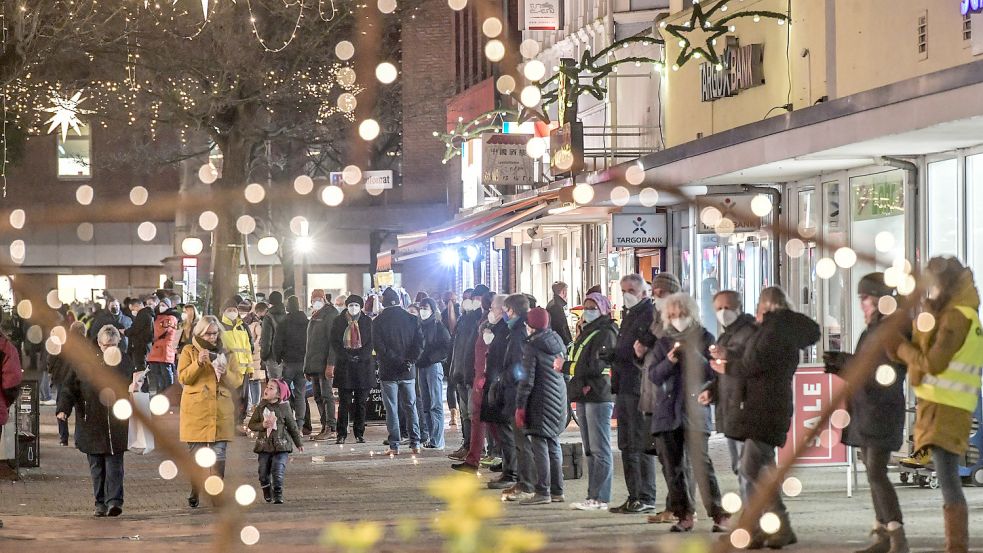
<point x="967" y="27"/>
<point x="81" y="288"/>
<point x="74" y="154"/>
<point x="335" y="284"/>
<point x="974" y="224"/>
<point x="922" y="34"/>
<point x="6" y="293"/>
<point x="944" y="221"/>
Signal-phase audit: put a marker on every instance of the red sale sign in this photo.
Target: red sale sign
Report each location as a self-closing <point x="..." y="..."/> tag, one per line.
<point x="813" y="391"/>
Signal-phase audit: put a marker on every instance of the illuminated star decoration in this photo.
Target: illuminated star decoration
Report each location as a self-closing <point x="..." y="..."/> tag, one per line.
<point x="65" y="113"/>
<point x="597" y="73"/>
<point x="204" y="6"/>
<point x="699" y="22"/>
<point x="467" y="130"/>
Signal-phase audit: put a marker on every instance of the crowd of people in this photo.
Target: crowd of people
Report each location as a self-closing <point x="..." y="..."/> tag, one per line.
<point x="516" y="375"/>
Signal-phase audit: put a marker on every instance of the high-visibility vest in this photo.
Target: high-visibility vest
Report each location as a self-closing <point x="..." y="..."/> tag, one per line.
<point x="959" y="384"/>
<point x="236" y="340"/>
<point x="577" y="349"/>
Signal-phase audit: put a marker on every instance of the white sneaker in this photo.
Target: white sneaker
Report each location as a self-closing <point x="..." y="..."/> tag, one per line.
<point x="48" y="402"/>
<point x="589" y="505"/>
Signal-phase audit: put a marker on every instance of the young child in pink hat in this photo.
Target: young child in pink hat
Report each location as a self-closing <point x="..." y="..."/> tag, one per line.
<point x="276" y="434"/>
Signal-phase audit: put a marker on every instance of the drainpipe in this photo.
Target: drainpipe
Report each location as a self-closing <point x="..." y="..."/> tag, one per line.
<point x="911" y="215"/>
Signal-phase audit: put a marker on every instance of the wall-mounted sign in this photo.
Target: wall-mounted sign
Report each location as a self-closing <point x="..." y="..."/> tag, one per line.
<point x="876" y="196"/>
<point x="970" y="6"/>
<point x="567" y="147"/>
<point x="504" y="161"/>
<point x="373" y="180"/>
<point x="742" y="68"/>
<point x="543" y="15"/>
<point x="639" y="230"/>
<point x="736" y="208"/>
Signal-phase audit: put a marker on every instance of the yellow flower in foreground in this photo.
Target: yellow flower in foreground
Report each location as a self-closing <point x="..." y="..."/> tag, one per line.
<point x="357" y="538"/>
<point x="407" y="529"/>
<point x="485" y="507"/>
<point x="520" y="540"/>
<point x="458" y="487"/>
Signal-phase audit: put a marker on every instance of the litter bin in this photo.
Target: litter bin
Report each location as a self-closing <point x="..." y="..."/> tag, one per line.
<point x="28" y="425"/>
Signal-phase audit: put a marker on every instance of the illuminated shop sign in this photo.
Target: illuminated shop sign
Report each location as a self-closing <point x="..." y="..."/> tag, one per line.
<point x="970" y="6"/>
<point x="742" y="67"/>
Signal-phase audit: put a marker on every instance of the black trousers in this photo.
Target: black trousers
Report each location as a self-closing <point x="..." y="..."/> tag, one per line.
<point x="673" y="448"/>
<point x="351" y="404"/>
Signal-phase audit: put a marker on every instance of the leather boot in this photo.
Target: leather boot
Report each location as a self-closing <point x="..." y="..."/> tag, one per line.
<point x="267" y="493"/>
<point x="454" y="417"/>
<point x="784" y="536"/>
<point x="956" y="528"/>
<point x="896" y="535"/>
<point x="193" y="497"/>
<point x="881" y="542"/>
<point x="278" y="496"/>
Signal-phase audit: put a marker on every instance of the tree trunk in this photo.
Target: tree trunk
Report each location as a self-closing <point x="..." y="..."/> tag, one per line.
<point x="236" y="151"/>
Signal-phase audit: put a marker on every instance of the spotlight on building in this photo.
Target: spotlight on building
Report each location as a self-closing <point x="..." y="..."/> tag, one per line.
<point x="471" y="252"/>
<point x="449" y="257"/>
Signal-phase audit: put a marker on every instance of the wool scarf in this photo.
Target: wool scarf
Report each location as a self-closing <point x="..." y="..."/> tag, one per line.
<point x="353" y="335"/>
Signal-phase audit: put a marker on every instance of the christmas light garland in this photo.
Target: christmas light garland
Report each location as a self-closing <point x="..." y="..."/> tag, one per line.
<point x="700" y="22"/>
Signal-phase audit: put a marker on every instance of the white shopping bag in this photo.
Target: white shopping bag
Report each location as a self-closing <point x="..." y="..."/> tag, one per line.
<point x="141" y="439"/>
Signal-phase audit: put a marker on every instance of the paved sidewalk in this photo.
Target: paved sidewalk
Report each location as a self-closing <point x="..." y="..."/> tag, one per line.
<point x="49" y="509"/>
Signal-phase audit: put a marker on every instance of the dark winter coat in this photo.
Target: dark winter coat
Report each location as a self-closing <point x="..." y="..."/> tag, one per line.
<point x="558" y="319"/>
<point x="271" y="321"/>
<point x="770" y="359"/>
<point x="105" y="317"/>
<point x="635" y="323"/>
<point x="437" y="344"/>
<point x="494" y="370"/>
<point x="398" y="340"/>
<point x="140" y="335"/>
<point x="877" y="412"/>
<point x="727" y="390"/>
<point x="290" y="342"/>
<point x="589" y="383"/>
<point x="284" y="437"/>
<point x="678" y="385"/>
<point x="97" y="431"/>
<point x="319" y="354"/>
<point x="541" y="390"/>
<point x="353" y="368"/>
<point x="502" y="379"/>
<point x="59" y="367"/>
<point x="462" y="356"/>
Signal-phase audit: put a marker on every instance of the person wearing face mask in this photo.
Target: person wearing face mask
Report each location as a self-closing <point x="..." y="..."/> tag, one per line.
<point x="726" y="391"/>
<point x="462" y="363"/>
<point x="398" y="341"/>
<point x="488" y="352"/>
<point x="274" y="317"/>
<point x="680" y="370"/>
<point x="877" y="417"/>
<point x="164" y="348"/>
<point x="770" y="360"/>
<point x="354" y="374"/>
<point x="634" y="340"/>
<point x="944" y="369"/>
<point x="289" y="351"/>
<point x="450" y="314"/>
<point x="319" y="361"/>
<point x="141" y="333"/>
<point x="111" y="315"/>
<point x="430" y="372"/>
<point x="589" y="370"/>
<point x="240" y="344"/>
<point x="557" y="310"/>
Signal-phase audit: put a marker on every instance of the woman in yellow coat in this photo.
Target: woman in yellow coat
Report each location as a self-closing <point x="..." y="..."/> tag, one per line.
<point x="210" y="376"/>
<point x="944" y="366"/>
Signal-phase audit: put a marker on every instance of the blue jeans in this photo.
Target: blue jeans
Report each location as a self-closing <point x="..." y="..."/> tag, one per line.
<point x="107" y="479"/>
<point x="255" y="391"/>
<point x="272" y="467"/>
<point x="548" y="459"/>
<point x="218" y="447"/>
<point x="947" y="469"/>
<point x="421" y="412"/>
<point x="595" y="431"/>
<point x="293" y="373"/>
<point x="400" y="398"/>
<point x="44" y="387"/>
<point x="432" y="401"/>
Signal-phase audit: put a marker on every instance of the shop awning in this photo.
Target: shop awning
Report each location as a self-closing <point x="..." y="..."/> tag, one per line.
<point x="477" y="225"/>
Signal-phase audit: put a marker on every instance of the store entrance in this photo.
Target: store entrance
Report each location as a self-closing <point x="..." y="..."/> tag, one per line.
<point x="743" y="262"/>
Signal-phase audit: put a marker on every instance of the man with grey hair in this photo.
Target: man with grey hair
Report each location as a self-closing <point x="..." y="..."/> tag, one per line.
<point x="633" y="431"/>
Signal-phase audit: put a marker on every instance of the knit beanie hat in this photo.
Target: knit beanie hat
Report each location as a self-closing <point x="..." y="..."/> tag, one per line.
<point x="318" y="294"/>
<point x="284" y="389"/>
<point x="390" y="298"/>
<point x="538" y="318"/>
<point x="873" y="285"/>
<point x="603" y="303"/>
<point x="276" y="298"/>
<point x="667" y="282"/>
<point x="355" y="298"/>
<point x="233" y="303"/>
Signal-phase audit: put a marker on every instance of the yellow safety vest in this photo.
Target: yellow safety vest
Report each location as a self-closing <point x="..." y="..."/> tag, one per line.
<point x="236" y="340"/>
<point x="577" y="349"/>
<point x="959" y="384"/>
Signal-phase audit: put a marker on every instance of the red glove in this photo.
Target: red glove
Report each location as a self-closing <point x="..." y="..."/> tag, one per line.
<point x="520" y="418"/>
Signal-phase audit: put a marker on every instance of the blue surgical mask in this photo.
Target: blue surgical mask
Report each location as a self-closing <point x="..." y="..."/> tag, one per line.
<point x="591" y="315"/>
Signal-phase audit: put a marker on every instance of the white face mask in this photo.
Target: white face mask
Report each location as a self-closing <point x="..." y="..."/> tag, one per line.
<point x="468" y="305"/>
<point x="487" y="337"/>
<point x="631" y="300"/>
<point x="426" y="314"/>
<point x="354" y="309"/>
<point x="493" y="317"/>
<point x="232" y="315"/>
<point x="726" y="317"/>
<point x="681" y="323"/>
<point x="659" y="303"/>
<point x="317" y="305"/>
<point x="591" y="315"/>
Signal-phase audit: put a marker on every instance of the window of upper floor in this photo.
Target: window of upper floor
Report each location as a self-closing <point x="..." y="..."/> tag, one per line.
<point x="75" y="154"/>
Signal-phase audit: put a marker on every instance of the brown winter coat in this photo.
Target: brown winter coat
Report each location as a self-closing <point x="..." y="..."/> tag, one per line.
<point x="207" y="407"/>
<point x="930" y="353"/>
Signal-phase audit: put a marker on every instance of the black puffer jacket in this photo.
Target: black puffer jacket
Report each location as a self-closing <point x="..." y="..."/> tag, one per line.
<point x="462" y="356"/>
<point x="437" y="344"/>
<point x="502" y="380"/>
<point x="398" y="340"/>
<point x="319" y="354"/>
<point x="635" y="323"/>
<point x="353" y="368"/>
<point x="494" y="370"/>
<point x="140" y="335"/>
<point x="290" y="342"/>
<point x="727" y="390"/>
<point x="542" y="391"/>
<point x="770" y="360"/>
<point x="97" y="431"/>
<point x="271" y="321"/>
<point x="592" y="372"/>
<point x="877" y="412"/>
<point x="283" y="438"/>
<point x="678" y="385"/>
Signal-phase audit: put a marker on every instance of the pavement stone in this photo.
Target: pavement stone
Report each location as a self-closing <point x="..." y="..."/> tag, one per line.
<point x="49" y="508"/>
